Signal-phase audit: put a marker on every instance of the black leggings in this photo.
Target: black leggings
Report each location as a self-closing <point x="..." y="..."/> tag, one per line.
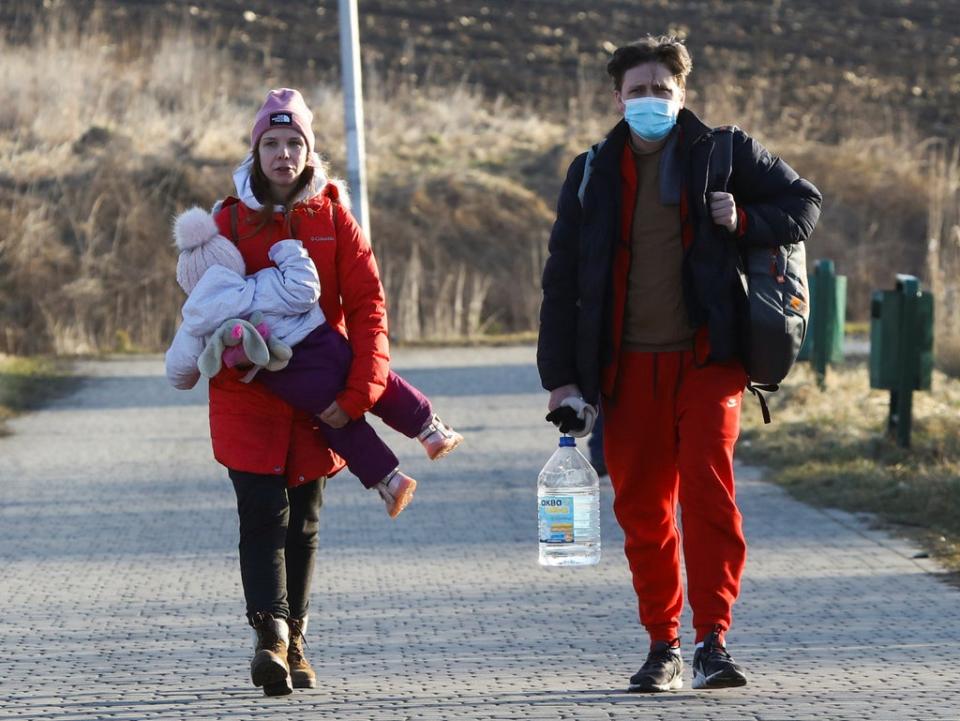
<point x="278" y="541"/>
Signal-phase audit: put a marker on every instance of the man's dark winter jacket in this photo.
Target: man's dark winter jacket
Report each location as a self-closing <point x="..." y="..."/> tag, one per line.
<point x="776" y="206"/>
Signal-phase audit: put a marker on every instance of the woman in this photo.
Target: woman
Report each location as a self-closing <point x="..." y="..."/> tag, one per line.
<point x="276" y="457"/>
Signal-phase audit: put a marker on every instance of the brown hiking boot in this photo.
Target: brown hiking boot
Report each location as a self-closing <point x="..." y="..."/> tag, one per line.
<point x="301" y="672"/>
<point x="269" y="665"/>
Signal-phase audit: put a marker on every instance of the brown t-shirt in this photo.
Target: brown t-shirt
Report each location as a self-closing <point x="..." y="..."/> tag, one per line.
<point x="656" y="315"/>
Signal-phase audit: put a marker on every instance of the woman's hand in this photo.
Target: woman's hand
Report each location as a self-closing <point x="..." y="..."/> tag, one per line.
<point x="335" y="416"/>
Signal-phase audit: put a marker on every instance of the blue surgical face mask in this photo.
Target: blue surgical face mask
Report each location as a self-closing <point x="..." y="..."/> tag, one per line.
<point x="651" y="118"/>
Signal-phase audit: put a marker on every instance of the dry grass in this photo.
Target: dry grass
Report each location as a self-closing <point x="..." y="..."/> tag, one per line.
<point x="166" y="95"/>
<point x="27" y="383"/>
<point x="94" y="170"/>
<point x="830" y="448"/>
<point x="102" y="141"/>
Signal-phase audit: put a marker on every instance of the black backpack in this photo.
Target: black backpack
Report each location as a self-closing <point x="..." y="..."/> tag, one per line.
<point x="775" y="308"/>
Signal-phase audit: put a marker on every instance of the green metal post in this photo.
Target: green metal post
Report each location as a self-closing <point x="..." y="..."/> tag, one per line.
<point x="824" y="302"/>
<point x="908" y="357"/>
<point x="839" y="319"/>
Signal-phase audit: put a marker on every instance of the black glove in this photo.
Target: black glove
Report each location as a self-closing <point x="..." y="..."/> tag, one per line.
<point x="566" y="419"/>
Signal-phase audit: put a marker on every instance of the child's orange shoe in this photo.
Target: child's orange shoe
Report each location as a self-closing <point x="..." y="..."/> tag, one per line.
<point x="397" y="492"/>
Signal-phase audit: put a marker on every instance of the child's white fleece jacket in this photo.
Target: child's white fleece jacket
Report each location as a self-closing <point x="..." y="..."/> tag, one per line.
<point x="286" y="295"/>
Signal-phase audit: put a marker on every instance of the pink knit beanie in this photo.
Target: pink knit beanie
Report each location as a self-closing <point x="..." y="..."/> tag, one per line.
<point x="284" y="108"/>
<point x="201" y="246"/>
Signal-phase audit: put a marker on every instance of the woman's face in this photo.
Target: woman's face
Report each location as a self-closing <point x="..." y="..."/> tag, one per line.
<point x="283" y="156"/>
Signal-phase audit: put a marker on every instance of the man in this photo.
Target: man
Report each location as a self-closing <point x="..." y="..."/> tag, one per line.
<point x="640" y="302"/>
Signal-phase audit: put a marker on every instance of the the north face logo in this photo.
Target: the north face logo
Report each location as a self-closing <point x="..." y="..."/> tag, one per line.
<point x="281" y="119"/>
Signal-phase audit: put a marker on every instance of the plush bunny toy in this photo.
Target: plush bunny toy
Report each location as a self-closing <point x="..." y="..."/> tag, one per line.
<point x="243" y="344"/>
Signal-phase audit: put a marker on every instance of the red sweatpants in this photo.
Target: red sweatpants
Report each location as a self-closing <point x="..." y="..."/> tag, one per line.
<point x="668" y="436"/>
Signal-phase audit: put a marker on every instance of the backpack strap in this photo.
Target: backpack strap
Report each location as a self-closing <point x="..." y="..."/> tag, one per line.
<point x="588" y="169"/>
<point x="234" y="223"/>
<point x="721" y="159"/>
<point x="756" y="390"/>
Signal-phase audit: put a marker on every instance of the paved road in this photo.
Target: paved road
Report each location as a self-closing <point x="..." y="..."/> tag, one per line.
<point x="121" y="598"/>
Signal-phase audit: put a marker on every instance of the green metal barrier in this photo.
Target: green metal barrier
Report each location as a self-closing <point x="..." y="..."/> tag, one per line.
<point x="901" y="349"/>
<point x="823" y="344"/>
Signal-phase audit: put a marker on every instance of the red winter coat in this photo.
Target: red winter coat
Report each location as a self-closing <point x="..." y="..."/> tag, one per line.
<point x="253" y="430"/>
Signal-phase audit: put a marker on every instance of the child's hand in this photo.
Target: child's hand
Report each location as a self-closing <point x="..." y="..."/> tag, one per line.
<point x="334" y="416"/>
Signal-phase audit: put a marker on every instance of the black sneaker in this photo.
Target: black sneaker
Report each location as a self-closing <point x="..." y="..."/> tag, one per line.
<point x="662" y="671"/>
<point x="713" y="667"/>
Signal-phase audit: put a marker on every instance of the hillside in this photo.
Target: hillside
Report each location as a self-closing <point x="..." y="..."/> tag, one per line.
<point x="116" y="115"/>
<point x="898" y="57"/>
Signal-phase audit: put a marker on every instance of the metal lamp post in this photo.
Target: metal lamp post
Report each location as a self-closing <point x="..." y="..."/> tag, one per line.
<point x="353" y="111"/>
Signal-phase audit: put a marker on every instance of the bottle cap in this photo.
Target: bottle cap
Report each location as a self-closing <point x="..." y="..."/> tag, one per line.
<point x="567" y="442"/>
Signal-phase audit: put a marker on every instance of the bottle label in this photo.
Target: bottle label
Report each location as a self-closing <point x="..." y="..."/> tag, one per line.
<point x="556" y="519"/>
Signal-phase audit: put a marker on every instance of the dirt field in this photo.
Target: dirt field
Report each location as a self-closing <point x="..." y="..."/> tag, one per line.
<point x="897" y="56"/>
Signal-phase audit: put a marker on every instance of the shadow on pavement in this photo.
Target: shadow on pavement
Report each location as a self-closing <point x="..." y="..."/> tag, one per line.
<point x="155" y="392"/>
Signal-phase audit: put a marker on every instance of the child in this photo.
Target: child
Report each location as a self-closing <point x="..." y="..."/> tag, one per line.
<point x="211" y="271"/>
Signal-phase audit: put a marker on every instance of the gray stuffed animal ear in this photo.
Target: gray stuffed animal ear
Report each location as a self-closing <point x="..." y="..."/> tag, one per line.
<point x="254" y="347"/>
<point x="208" y="363"/>
<point x="280" y="354"/>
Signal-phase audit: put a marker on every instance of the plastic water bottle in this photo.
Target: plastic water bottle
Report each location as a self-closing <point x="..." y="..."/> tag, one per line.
<point x="568" y="496"/>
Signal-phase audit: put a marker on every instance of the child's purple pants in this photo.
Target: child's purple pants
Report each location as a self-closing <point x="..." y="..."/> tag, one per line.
<point x="317" y="372"/>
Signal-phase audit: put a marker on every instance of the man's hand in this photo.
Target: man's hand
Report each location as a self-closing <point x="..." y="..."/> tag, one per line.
<point x="569" y="412"/>
<point x="557" y="395"/>
<point x="334" y="416"/>
<point x="723" y="210"/>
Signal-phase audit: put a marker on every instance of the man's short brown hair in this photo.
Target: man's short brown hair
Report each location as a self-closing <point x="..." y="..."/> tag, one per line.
<point x="665" y="49"/>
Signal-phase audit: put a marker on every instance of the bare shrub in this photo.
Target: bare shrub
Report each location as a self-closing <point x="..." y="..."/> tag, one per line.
<point x="32" y="261"/>
<point x="100" y="265"/>
<point x="874" y="212"/>
<point x="943" y="250"/>
<point x="467" y="241"/>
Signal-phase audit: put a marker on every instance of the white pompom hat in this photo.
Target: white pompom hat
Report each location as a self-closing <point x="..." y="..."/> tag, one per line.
<point x="201" y="245"/>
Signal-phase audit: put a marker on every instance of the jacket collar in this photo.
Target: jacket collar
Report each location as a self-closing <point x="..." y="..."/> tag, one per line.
<point x="607" y="159"/>
<point x="692" y="127"/>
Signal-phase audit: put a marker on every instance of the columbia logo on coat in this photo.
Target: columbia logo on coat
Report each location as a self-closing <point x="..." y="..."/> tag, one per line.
<point x="318" y="238"/>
